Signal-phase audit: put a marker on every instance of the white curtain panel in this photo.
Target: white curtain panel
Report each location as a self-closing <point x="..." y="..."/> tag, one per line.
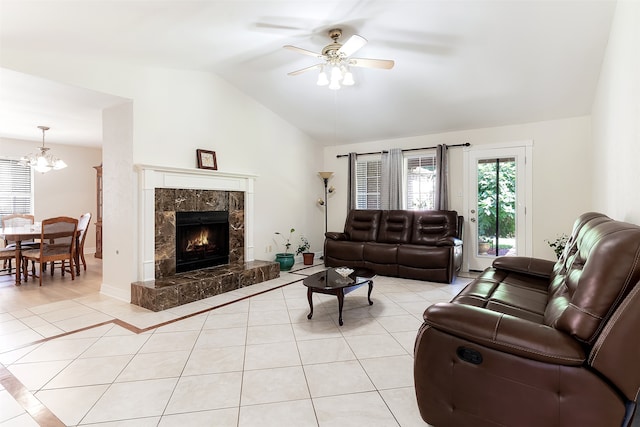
<point x="391" y="188"/>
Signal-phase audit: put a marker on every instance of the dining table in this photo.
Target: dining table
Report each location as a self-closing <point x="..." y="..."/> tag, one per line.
<point x="30" y="232"/>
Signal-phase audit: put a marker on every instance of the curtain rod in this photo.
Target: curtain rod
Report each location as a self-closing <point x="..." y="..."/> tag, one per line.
<point x="466" y="144"/>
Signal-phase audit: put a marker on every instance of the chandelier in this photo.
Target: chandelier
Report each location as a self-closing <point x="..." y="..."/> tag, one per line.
<point x="43" y="162"/>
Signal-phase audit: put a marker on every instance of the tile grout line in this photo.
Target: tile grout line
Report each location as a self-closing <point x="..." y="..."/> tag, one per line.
<point x="36" y="409"/>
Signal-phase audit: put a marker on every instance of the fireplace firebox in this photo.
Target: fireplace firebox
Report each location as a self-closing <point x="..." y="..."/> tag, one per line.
<point x="202" y="240"/>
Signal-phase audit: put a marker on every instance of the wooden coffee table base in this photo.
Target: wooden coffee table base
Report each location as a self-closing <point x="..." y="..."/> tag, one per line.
<point x="340" y="293"/>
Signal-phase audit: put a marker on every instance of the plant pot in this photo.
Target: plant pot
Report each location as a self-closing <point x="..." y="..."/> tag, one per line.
<point x="483" y="247"/>
<point x="307" y="258"/>
<point x="286" y="261"/>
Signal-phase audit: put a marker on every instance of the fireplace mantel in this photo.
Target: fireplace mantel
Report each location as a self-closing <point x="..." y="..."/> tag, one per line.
<point x="151" y="177"/>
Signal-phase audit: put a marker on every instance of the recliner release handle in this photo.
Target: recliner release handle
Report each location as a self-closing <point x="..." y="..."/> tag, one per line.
<point x="469" y="355"/>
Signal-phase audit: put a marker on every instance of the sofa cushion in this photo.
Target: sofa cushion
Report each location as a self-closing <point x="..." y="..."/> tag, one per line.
<point x="507" y="292"/>
<point x="434" y="227"/>
<point x="344" y="250"/>
<point x="395" y="227"/>
<point x="381" y="253"/>
<point x="362" y="225"/>
<point x="424" y="256"/>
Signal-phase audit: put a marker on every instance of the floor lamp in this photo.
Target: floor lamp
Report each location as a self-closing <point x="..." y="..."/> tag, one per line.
<point x="325" y="177"/>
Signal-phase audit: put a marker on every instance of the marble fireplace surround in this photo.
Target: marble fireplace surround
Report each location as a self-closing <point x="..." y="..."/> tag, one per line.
<point x="164" y="190"/>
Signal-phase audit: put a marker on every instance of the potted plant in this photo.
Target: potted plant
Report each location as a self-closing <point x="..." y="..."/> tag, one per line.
<point x="303" y="248"/>
<point x="285" y="259"/>
<point x="484" y="244"/>
<point x="558" y="244"/>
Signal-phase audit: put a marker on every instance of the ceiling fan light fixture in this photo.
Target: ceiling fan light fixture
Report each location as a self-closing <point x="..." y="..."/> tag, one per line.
<point x="336" y="74"/>
<point x="322" y="78"/>
<point x="347" y="78"/>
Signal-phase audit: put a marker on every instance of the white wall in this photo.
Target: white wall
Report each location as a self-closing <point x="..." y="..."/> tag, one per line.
<point x="174" y="112"/>
<point x="119" y="223"/>
<point x="561" y="171"/>
<point x="66" y="192"/>
<point x="616" y="119"/>
<point x="198" y="110"/>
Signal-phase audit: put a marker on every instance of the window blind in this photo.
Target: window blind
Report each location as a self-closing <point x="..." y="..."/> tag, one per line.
<point x="421" y="182"/>
<point x="16" y="189"/>
<point x="368" y="183"/>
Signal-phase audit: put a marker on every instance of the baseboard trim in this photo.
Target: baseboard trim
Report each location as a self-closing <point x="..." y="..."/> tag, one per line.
<point x="117" y="293"/>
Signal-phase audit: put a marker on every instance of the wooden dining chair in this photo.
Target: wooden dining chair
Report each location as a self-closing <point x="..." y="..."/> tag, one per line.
<point x="58" y="243"/>
<point x="17" y="220"/>
<point x="6" y="255"/>
<point x="83" y="226"/>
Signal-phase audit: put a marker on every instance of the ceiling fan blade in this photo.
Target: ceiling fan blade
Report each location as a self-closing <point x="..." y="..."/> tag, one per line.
<point x="354" y="43"/>
<point x="304" y="51"/>
<point x="386" y="64"/>
<point x="303" y="70"/>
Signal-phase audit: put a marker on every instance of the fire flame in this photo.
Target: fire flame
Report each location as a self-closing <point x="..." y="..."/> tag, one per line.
<point x="198" y="241"/>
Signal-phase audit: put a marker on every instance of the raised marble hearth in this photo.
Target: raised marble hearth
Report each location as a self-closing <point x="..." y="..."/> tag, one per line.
<point x="183" y="288"/>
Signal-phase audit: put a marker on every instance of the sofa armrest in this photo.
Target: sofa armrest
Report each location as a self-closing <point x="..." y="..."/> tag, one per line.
<point x="449" y="241"/>
<point x="526" y="265"/>
<point x="334" y="235"/>
<point x="505" y="333"/>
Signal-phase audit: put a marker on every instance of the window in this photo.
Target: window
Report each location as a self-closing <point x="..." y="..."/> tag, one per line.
<point x="420" y="182"/>
<point x="16" y="188"/>
<point x="368" y="183"/>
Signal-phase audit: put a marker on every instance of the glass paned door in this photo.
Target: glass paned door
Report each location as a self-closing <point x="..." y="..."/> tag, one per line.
<point x="496" y="207"/>
<point x="497" y="211"/>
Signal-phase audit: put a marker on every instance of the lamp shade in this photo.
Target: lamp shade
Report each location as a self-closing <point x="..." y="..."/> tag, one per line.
<point x="322" y="79"/>
<point x="325" y="175"/>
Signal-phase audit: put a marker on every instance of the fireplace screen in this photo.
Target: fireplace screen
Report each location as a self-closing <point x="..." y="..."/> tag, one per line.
<point x="202" y="240"/>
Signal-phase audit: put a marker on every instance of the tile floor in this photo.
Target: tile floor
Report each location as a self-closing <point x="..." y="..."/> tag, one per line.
<point x="71" y="356"/>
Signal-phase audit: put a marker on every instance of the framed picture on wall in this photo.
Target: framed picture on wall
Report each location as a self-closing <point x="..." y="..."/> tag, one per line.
<point x="207" y="159"/>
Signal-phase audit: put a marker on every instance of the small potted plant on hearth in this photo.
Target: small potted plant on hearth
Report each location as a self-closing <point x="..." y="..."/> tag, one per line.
<point x="285" y="259"/>
<point x="303" y="248"/>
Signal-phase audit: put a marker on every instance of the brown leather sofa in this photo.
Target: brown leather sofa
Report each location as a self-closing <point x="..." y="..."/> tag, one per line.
<point x="423" y="245"/>
<point x="536" y="343"/>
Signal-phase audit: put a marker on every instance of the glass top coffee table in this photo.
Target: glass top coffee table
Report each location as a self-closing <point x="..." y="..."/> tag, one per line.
<point x="331" y="283"/>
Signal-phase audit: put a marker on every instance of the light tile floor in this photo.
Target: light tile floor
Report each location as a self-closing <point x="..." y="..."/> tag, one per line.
<point x="87" y="359"/>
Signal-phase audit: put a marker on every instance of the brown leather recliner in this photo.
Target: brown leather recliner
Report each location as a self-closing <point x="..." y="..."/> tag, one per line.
<point x="533" y="343"/>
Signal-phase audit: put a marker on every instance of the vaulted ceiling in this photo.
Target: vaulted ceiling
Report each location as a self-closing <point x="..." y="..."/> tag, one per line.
<point x="458" y="64"/>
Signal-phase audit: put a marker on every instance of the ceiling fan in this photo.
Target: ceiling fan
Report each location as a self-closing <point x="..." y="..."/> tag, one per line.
<point x="337" y="58"/>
